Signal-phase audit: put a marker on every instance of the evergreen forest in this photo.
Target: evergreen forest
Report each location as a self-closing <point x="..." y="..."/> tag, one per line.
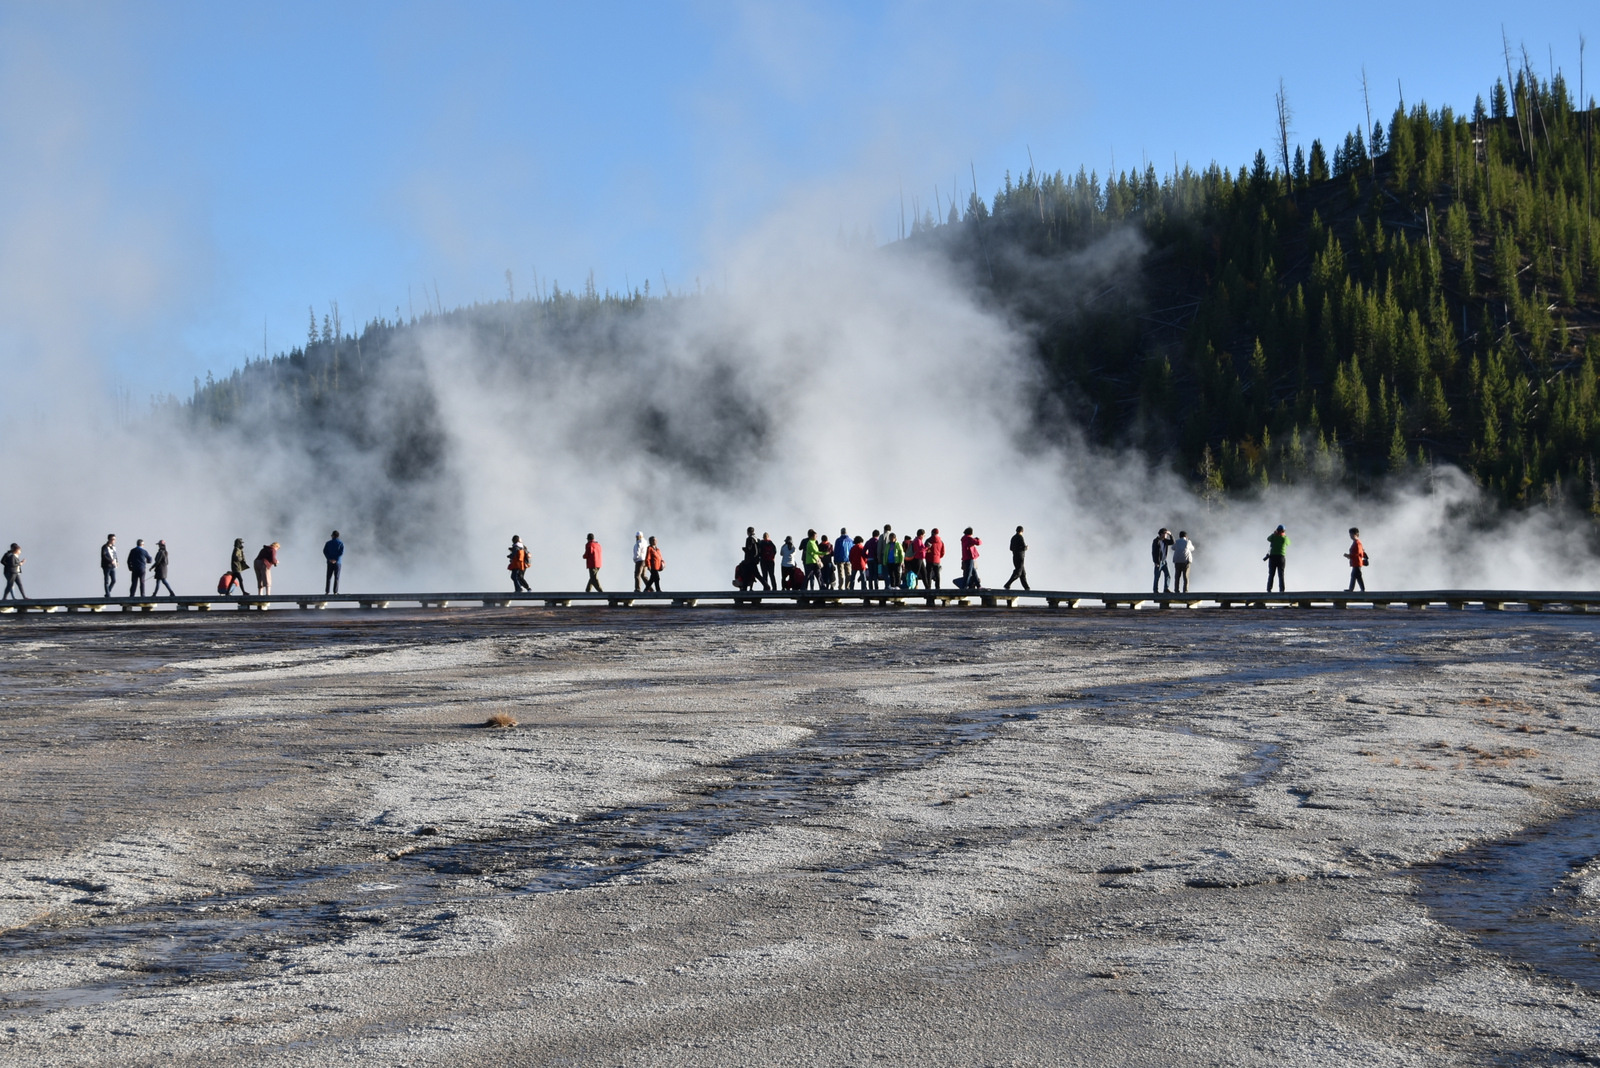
<point x="1426" y="292"/>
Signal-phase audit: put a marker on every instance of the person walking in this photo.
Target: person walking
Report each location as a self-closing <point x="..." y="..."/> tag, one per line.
<point x="238" y="565"/>
<point x="1019" y="554"/>
<point x="969" y="560"/>
<point x="158" y="568"/>
<point x="517" y="564"/>
<point x="591" y="560"/>
<point x="1357" y="555"/>
<point x="639" y="549"/>
<point x="1277" y="556"/>
<point x="811" y="559"/>
<point x="108" y="563"/>
<point x="767" y="554"/>
<point x="841" y="559"/>
<point x="1160" y="550"/>
<point x="1182" y="557"/>
<point x="654" y="563"/>
<point x="266" y="560"/>
<point x="933" y="554"/>
<point x="12" y="563"/>
<point x="138" y="561"/>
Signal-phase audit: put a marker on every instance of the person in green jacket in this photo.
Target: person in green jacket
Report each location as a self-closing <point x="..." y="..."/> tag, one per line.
<point x="1277" y="556"/>
<point x="894" y="558"/>
<point x="811" y="558"/>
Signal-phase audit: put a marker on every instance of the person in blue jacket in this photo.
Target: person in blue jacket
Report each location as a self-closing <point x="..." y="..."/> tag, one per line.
<point x="138" y="560"/>
<point x="333" y="552"/>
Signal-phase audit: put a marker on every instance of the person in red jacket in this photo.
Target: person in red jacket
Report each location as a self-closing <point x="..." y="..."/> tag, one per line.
<point x="1357" y="555"/>
<point x="654" y="562"/>
<point x="933" y="553"/>
<point x="969" y="560"/>
<point x="858" y="564"/>
<point x="591" y="560"/>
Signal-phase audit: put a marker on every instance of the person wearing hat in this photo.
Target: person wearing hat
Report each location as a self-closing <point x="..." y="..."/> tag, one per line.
<point x="158" y="568"/>
<point x="1277" y="556"/>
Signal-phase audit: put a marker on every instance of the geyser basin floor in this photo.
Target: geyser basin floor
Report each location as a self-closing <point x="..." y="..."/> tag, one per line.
<point x="961" y="837"/>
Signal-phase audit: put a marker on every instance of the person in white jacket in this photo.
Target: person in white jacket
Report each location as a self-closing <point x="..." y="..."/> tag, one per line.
<point x="639" y="549"/>
<point x="1182" y="557"/>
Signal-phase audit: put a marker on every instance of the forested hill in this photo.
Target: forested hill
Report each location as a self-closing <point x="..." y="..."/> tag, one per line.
<point x="1427" y="291"/>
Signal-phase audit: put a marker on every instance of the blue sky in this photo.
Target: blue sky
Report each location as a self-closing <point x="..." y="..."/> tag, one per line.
<point x="172" y="176"/>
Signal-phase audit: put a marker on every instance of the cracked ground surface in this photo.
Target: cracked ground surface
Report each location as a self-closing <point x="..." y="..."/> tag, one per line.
<point x="840" y="837"/>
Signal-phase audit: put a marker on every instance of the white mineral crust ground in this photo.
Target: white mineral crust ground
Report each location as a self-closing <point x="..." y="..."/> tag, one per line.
<point x="732" y="837"/>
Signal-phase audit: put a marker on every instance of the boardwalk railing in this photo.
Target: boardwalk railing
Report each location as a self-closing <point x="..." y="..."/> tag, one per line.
<point x="1490" y="600"/>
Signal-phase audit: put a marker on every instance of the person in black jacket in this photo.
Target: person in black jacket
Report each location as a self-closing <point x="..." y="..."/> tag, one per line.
<point x="767" y="552"/>
<point x="1019" y="571"/>
<point x="12" y="563"/>
<point x="158" y="568"/>
<point x="752" y="560"/>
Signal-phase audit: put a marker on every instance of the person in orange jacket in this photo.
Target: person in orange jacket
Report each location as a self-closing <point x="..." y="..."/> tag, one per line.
<point x="654" y="562"/>
<point x="1357" y="555"/>
<point x="517" y="556"/>
<point x="591" y="560"/>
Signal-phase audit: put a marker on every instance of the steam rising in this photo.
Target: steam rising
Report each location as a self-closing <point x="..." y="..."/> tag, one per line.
<point x="822" y="387"/>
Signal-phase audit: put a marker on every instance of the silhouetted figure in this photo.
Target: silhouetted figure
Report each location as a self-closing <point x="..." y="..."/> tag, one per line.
<point x="591" y="560"/>
<point x="1019" y="554"/>
<point x="333" y="553"/>
<point x="12" y="563"/>
<point x="517" y="564"/>
<point x="158" y="569"/>
<point x="108" y="562"/>
<point x="1277" y="556"/>
<point x="752" y="560"/>
<point x="1357" y="555"/>
<point x="138" y="561"/>
<point x="767" y="553"/>
<point x="1160" y="549"/>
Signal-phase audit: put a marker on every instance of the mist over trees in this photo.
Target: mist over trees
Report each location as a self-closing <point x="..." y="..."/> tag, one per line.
<point x="1426" y="292"/>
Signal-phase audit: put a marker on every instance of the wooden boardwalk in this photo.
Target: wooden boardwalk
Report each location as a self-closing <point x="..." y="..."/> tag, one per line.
<point x="1488" y="600"/>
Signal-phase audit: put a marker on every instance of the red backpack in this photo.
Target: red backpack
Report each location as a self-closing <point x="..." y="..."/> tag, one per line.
<point x="225" y="583"/>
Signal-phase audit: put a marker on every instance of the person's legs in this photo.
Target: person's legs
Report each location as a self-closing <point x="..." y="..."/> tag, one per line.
<point x="20" y="590"/>
<point x="6" y="596"/>
<point x="136" y="583"/>
<point x="1275" y="567"/>
<point x="1180" y="582"/>
<point x="1356" y="579"/>
<point x="160" y="582"/>
<point x="110" y="574"/>
<point x="593" y="585"/>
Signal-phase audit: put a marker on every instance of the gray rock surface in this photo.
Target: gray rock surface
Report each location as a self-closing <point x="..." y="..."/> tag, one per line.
<point x="777" y="837"/>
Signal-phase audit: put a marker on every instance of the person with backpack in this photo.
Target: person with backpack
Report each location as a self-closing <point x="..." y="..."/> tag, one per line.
<point x="654" y="563"/>
<point x="517" y="564"/>
<point x="933" y="554"/>
<point x="237" y="566"/>
<point x="138" y="560"/>
<point x="1277" y="556"/>
<point x="333" y="553"/>
<point x="639" y="549"/>
<point x="1182" y="557"/>
<point x="12" y="562"/>
<point x="266" y="560"/>
<point x="1160" y="550"/>
<point x="969" y="560"/>
<point x="767" y="554"/>
<point x="917" y="557"/>
<point x="158" y="568"/>
<point x="591" y="560"/>
<point x="1019" y="552"/>
<point x="1357" y="555"/>
<point x="108" y="563"/>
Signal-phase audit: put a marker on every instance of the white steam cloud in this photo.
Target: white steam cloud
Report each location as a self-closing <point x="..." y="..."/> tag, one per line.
<point x="822" y="387"/>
